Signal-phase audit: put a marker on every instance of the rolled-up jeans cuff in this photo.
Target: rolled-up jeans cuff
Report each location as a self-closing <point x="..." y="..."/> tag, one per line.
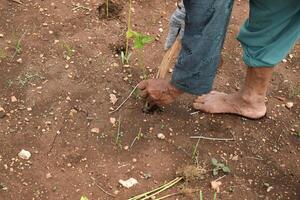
<point x="196" y="82"/>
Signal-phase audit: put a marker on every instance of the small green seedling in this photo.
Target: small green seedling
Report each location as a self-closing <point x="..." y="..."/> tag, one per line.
<point x="294" y="91"/>
<point x="2" y="54"/>
<point x="297" y="134"/>
<point x="69" y="50"/>
<point x="9" y="82"/>
<point x="201" y="196"/>
<point x="195" y="153"/>
<point x="218" y="166"/>
<point x="125" y="58"/>
<point x="139" y="136"/>
<point x="136" y="94"/>
<point x="25" y="79"/>
<point x="139" y="42"/>
<point x="17" y="46"/>
<point x="84" y="198"/>
<point x="119" y="135"/>
<point x="139" y="39"/>
<point x="107" y="8"/>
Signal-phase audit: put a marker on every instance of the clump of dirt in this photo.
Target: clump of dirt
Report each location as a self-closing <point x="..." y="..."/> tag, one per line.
<point x="114" y="10"/>
<point x="192" y="172"/>
<point x="188" y="192"/>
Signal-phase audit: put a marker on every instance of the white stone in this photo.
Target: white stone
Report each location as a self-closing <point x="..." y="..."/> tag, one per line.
<point x="128" y="183"/>
<point x="95" y="130"/>
<point x="112" y="120"/>
<point x="48" y="175"/>
<point x="289" y="105"/>
<point x="19" y="60"/>
<point x="161" y="136"/>
<point x="13" y="99"/>
<point x="24" y="154"/>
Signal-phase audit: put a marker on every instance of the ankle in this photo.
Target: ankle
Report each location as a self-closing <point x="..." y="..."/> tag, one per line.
<point x="252" y="97"/>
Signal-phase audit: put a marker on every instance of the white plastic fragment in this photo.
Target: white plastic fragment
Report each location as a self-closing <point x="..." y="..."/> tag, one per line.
<point x="128" y="183"/>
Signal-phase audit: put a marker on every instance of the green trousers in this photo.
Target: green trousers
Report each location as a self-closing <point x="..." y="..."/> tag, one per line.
<point x="272" y="29"/>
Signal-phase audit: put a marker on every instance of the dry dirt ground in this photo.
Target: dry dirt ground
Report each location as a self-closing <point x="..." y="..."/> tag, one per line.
<point x="58" y="60"/>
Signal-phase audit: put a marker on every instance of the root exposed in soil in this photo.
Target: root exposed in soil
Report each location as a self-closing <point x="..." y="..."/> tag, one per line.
<point x="114" y="10"/>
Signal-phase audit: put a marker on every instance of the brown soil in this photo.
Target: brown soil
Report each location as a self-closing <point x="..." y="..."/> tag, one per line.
<point x="63" y="85"/>
<point x="110" y="10"/>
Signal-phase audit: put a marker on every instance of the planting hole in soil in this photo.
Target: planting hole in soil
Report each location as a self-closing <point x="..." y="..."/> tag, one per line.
<point x="109" y="10"/>
<point x="151" y="109"/>
<point x="118" y="48"/>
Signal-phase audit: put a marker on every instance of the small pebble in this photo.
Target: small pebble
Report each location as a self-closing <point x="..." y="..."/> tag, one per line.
<point x="13" y="99"/>
<point x="24" y="154"/>
<point x="95" y="130"/>
<point x="289" y="105"/>
<point x="48" y="175"/>
<point x="161" y="136"/>
<point x="2" y="113"/>
<point x="19" y="60"/>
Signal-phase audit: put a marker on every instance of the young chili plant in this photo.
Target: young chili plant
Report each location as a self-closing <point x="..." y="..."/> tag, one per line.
<point x="139" y="41"/>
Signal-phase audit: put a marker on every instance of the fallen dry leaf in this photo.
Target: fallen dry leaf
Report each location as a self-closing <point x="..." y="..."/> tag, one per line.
<point x="215" y="185"/>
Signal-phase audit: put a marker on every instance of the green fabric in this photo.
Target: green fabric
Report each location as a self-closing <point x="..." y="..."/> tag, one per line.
<point x="271" y="31"/>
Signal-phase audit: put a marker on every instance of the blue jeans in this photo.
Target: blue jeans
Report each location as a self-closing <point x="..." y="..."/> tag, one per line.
<point x="205" y="30"/>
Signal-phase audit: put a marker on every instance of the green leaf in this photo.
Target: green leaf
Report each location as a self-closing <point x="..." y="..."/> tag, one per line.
<point x="226" y="169"/>
<point x="214" y="162"/>
<point x="221" y="165"/>
<point x="84" y="198"/>
<point x="130" y="34"/>
<point x="215" y="172"/>
<point x="138" y="43"/>
<point x="146" y="39"/>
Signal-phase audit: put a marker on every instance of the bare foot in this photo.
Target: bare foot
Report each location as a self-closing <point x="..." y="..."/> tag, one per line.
<point x="217" y="102"/>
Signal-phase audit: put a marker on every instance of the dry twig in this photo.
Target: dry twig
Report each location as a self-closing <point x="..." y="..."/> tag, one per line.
<point x="17" y="1"/>
<point x="212" y="138"/>
<point x="124" y="100"/>
<point x="94" y="180"/>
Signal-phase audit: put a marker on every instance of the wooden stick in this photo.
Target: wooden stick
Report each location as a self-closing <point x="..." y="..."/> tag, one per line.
<point x="168" y="58"/>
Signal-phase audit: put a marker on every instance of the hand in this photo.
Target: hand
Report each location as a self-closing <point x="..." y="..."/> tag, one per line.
<point x="158" y="91"/>
<point x="176" y="27"/>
